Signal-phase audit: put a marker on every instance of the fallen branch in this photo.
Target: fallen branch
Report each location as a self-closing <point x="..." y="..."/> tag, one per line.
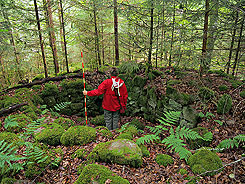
<point x="12" y="109"/>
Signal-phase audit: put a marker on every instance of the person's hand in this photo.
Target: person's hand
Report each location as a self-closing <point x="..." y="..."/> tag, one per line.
<point x="85" y="92"/>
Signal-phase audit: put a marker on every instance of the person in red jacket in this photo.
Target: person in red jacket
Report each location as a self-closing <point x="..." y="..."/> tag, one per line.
<point x="114" y="99"/>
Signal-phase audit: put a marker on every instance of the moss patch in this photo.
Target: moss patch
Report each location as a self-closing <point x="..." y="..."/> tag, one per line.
<point x="204" y="160"/>
<point x="64" y="122"/>
<point x="78" y="135"/>
<point x="98" y="120"/>
<point x="163" y="159"/>
<point x="205" y="93"/>
<point x="94" y="173"/>
<point x="121" y="151"/>
<point x="21" y="121"/>
<point x="49" y="134"/>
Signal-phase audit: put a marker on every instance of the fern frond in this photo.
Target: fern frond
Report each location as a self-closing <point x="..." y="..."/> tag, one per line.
<point x="8" y="158"/>
<point x="147" y="139"/>
<point x="227" y="143"/>
<point x="187" y="133"/>
<point x="10" y="122"/>
<point x="208" y="136"/>
<point x="240" y="138"/>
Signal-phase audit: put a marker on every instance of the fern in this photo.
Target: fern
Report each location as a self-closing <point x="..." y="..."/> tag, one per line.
<point x="10" y="122"/>
<point x="147" y="139"/>
<point x="176" y="144"/>
<point x="171" y="117"/>
<point x="61" y="106"/>
<point x="186" y="133"/>
<point x="57" y="107"/>
<point x="34" y="154"/>
<point x="157" y="129"/>
<point x="124" y="127"/>
<point x="231" y="143"/>
<point x="8" y="158"/>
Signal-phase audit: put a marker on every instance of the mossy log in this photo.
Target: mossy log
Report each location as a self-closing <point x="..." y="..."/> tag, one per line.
<point x="11" y="109"/>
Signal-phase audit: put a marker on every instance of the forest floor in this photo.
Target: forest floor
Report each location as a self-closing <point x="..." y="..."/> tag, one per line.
<point x="150" y="171"/>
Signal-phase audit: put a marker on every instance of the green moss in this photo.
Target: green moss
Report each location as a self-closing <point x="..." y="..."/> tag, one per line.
<point x="104" y="131"/>
<point x="50" y="90"/>
<point x="204" y="160"/>
<point x="151" y="76"/>
<point x="139" y="125"/>
<point x="10" y="138"/>
<point x="38" y="77"/>
<point x="242" y="94"/>
<point x="32" y="170"/>
<point x="8" y="181"/>
<point x="78" y="135"/>
<point x="64" y="122"/>
<point x="125" y="136"/>
<point x="163" y="159"/>
<point x="173" y="82"/>
<point x="98" y="120"/>
<point x="80" y="153"/>
<point x="21" y="119"/>
<point x="7" y="101"/>
<point x="170" y="91"/>
<point x="121" y="151"/>
<point x="94" y="173"/>
<point x="50" y="134"/>
<point x="144" y="150"/>
<point x="197" y="143"/>
<point x="223" y="88"/>
<point x="224" y="104"/>
<point x="206" y="93"/>
<point x="182" y="171"/>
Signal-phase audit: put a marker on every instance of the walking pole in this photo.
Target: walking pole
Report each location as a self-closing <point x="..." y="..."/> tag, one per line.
<point x="86" y="118"/>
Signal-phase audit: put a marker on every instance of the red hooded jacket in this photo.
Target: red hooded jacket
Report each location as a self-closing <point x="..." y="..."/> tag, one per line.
<point x="110" y="100"/>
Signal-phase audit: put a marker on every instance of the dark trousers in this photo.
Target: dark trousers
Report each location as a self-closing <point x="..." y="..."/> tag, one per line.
<point x="111" y="119"/>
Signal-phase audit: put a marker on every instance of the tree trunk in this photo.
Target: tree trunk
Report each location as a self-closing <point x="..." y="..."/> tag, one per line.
<point x="172" y="39"/>
<point x="116" y="33"/>
<point x="64" y="33"/>
<point x="52" y="40"/>
<point x="204" y="65"/>
<point x="238" y="48"/>
<point x="151" y="35"/>
<point x="214" y="15"/>
<point x="96" y="36"/>
<point x="102" y="43"/>
<point x="3" y="72"/>
<point x="61" y="39"/>
<point x="12" y="41"/>
<point x="232" y="44"/>
<point x="162" y="33"/>
<point x="40" y="39"/>
<point x="157" y="39"/>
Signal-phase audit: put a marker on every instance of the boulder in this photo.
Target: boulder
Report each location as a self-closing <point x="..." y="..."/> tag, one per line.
<point x="121" y="151"/>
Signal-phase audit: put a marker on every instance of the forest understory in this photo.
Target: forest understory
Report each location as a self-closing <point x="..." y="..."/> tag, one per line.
<point x="150" y="171"/>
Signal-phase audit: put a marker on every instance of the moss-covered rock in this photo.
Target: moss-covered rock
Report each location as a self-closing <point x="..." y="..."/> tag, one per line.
<point x="205" y="93"/>
<point x="224" y="104"/>
<point x="190" y="117"/>
<point x="205" y="160"/>
<point x="49" y="134"/>
<point x="64" y="122"/>
<point x="78" y="135"/>
<point x="21" y="120"/>
<point x="203" y="132"/>
<point x="80" y="153"/>
<point x="125" y="136"/>
<point x="94" y="173"/>
<point x="164" y="159"/>
<point x="98" y="120"/>
<point x="121" y="151"/>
